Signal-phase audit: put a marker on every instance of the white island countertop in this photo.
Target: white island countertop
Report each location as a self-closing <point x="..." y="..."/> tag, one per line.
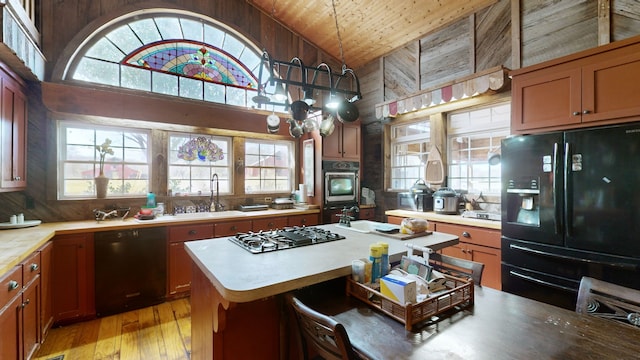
<point x="241" y="276"/>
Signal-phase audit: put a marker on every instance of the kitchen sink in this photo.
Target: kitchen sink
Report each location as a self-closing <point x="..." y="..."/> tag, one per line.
<point x="367" y="226"/>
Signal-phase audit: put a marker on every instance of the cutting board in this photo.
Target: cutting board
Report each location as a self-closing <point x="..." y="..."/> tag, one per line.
<point x="399" y="236"/>
<point x="434" y="173"/>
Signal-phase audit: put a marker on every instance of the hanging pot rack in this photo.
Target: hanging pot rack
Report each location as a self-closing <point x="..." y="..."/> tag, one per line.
<point x="306" y="83"/>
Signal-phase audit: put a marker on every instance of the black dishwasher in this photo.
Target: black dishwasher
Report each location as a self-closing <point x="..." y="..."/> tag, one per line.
<point x="131" y="269"/>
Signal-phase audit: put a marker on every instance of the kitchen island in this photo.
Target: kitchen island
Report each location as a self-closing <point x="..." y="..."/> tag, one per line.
<point x="238" y="311"/>
<point x="236" y="301"/>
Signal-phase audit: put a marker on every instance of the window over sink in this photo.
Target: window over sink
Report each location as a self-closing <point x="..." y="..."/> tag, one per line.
<point x="128" y="168"/>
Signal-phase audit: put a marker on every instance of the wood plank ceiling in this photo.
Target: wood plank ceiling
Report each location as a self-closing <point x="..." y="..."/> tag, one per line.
<point x="369" y="29"/>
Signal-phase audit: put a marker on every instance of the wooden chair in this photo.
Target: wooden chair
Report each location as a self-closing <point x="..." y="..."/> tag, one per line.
<point x="321" y="334"/>
<point x="609" y="301"/>
<point x="457" y="267"/>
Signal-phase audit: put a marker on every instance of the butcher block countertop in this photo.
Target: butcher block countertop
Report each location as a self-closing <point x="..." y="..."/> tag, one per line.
<point x="17" y="244"/>
<point x="240" y="276"/>
<point x="451" y="219"/>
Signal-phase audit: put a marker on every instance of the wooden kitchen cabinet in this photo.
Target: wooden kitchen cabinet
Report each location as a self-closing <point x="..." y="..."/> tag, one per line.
<point x="13" y="131"/>
<point x="20" y="317"/>
<point x="229" y="228"/>
<point x="303" y="220"/>
<point x="10" y="324"/>
<point x="344" y="143"/>
<point x="270" y="223"/>
<point x="476" y="244"/>
<point x="73" y="278"/>
<point x="46" y="266"/>
<point x="179" y="262"/>
<point x="583" y="91"/>
<point x="368" y="213"/>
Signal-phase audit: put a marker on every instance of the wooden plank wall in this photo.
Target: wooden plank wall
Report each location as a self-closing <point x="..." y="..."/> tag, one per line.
<point x="550" y="28"/>
<point x="545" y="29"/>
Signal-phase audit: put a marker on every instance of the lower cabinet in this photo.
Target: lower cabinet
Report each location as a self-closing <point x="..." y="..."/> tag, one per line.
<point x="476" y="244"/>
<point x="269" y="223"/>
<point x="72" y="280"/>
<point x="230" y="228"/>
<point x="368" y="213"/>
<point x="46" y="269"/>
<point x="303" y="220"/>
<point x="179" y="266"/>
<point x="20" y="319"/>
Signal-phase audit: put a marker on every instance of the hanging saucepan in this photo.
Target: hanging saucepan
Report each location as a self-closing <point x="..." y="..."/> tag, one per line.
<point x="299" y="110"/>
<point x="347" y="112"/>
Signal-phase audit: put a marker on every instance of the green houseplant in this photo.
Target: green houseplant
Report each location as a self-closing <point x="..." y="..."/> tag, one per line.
<point x="102" y="181"/>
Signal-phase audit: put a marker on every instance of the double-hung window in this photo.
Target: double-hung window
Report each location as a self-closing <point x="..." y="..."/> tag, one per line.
<point x="128" y="168"/>
<point x="471" y="136"/>
<point x="194" y="159"/>
<point x="410" y="144"/>
<point x="269" y="166"/>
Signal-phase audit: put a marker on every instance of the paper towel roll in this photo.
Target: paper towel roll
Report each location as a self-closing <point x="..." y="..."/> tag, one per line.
<point x="303" y="193"/>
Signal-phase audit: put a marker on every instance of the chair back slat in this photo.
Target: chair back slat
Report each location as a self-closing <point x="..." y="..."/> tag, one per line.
<point x="456" y="266"/>
<point x="607" y="300"/>
<point x="321" y="334"/>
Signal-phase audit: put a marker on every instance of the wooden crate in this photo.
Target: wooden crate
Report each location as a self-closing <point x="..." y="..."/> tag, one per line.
<point x="459" y="294"/>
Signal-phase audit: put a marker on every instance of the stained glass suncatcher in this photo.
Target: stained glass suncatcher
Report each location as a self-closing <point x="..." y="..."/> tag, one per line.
<point x="200" y="148"/>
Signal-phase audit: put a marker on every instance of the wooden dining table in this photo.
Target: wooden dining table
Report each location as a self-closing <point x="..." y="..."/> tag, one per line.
<point x="498" y="325"/>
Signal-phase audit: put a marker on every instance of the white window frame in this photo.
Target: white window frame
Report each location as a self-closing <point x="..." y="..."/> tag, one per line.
<point x="199" y="174"/>
<point x="481" y="129"/>
<point x="256" y="162"/>
<point x="86" y="154"/>
<point x="406" y="168"/>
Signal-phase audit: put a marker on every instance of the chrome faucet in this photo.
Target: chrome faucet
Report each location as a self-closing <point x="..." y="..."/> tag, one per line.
<point x="345" y="218"/>
<point x="214" y="203"/>
<point x="103" y="215"/>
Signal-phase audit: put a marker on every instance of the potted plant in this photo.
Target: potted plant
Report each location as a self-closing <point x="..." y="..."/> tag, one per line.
<point x="101" y="180"/>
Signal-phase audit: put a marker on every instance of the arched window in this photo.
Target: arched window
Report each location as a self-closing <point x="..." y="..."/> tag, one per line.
<point x="170" y="52"/>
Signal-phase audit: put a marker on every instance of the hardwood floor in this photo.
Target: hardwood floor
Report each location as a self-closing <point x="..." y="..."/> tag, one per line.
<point x="157" y="332"/>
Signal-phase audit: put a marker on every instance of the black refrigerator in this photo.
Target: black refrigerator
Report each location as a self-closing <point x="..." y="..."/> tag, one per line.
<point x="570" y="208"/>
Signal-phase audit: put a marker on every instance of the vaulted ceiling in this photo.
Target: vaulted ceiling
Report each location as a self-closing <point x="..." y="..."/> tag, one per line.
<point x="368" y="29"/>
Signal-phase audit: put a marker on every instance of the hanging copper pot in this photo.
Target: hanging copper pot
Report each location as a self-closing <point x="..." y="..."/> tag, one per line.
<point x="347" y="112"/>
<point x="299" y="110"/>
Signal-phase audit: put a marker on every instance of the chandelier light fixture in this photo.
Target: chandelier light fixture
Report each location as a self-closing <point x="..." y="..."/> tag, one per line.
<point x="277" y="79"/>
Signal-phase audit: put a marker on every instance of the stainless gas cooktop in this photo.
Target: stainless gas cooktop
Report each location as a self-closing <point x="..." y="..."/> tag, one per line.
<point x="286" y="238"/>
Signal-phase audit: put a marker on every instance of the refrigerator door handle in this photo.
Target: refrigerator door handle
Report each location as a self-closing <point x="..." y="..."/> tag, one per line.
<point x="554" y="191"/>
<point x="568" y="214"/>
<point x="542" y="282"/>
<point x="574" y="259"/>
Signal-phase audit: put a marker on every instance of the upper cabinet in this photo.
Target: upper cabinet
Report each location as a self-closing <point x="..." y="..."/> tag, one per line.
<point x="13" y="132"/>
<point x="344" y="143"/>
<point x="600" y="87"/>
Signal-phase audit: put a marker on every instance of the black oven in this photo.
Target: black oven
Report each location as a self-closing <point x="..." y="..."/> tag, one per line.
<point x="340" y="182"/>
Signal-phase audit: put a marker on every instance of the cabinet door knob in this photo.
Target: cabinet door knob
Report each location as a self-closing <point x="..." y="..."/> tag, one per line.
<point x="192" y="232"/>
<point x="13" y="285"/>
<point x="24" y="304"/>
<point x="270" y="224"/>
<point x="34" y="267"/>
<point x="466" y="234"/>
<point x="576" y="113"/>
<point x="303" y="221"/>
<point x="586" y="112"/>
<point x="234" y="228"/>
